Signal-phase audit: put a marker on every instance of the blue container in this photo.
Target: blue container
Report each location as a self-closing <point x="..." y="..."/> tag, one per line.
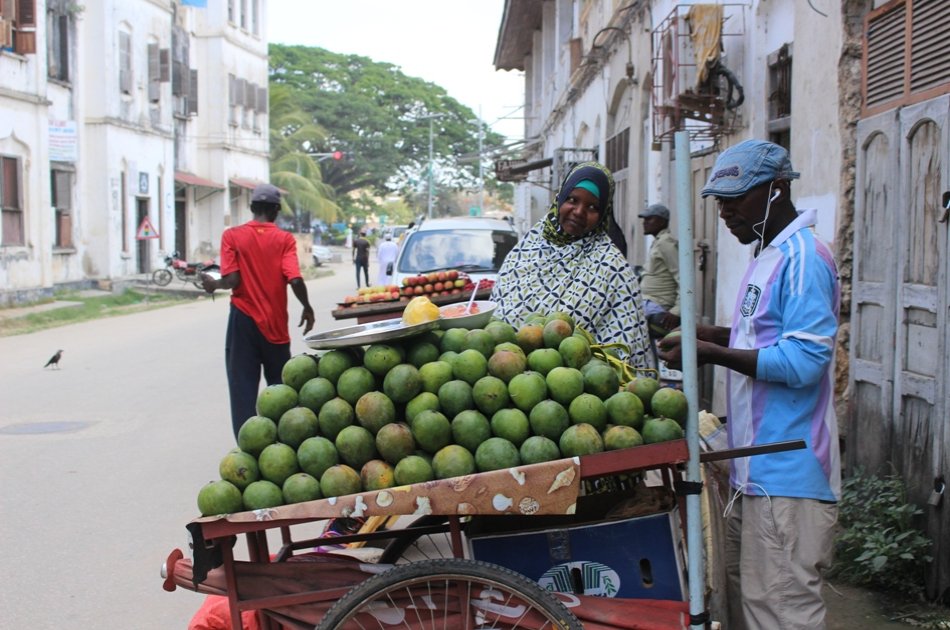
<point x="635" y="558"/>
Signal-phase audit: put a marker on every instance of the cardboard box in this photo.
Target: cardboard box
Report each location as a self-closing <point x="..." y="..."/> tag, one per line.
<point x="637" y="558"/>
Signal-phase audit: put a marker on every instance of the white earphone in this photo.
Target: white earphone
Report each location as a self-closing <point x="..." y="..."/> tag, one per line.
<point x="775" y="195"/>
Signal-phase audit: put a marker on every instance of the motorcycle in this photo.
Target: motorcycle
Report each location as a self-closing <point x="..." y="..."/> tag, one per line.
<point x="176" y="266"/>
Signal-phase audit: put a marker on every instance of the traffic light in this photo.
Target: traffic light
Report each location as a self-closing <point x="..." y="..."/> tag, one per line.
<point x="338" y="155"/>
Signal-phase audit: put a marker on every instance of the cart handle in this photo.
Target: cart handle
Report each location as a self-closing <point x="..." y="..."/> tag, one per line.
<point x="746" y="451"/>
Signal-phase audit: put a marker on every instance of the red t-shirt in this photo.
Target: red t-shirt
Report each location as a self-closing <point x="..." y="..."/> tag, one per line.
<point x="266" y="258"/>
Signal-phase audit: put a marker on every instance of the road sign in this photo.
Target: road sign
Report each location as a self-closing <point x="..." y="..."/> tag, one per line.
<point x="146" y="230"/>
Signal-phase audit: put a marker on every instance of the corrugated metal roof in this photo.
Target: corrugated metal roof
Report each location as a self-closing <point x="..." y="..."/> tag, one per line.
<point x="521" y="18"/>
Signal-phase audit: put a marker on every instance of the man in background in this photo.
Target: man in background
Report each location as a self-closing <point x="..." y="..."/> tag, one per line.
<point x="361" y="257"/>
<point x="659" y="282"/>
<point x="258" y="261"/>
<point x="386" y="258"/>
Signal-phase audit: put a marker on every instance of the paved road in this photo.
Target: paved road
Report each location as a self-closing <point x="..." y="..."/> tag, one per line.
<point x="102" y="460"/>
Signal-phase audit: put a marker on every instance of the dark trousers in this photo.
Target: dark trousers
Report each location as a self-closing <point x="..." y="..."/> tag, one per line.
<point x="364" y="265"/>
<point x="245" y="351"/>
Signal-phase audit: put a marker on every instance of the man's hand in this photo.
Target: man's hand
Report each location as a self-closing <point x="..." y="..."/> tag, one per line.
<point x="209" y="283"/>
<point x="307" y="319"/>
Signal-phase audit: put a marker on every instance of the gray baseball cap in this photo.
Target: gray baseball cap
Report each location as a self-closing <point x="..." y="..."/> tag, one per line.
<point x="265" y="193"/>
<point x="656" y="210"/>
<point x="742" y="167"/>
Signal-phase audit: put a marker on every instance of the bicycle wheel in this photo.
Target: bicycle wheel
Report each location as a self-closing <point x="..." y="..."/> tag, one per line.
<point x="161" y="277"/>
<point x="453" y="593"/>
<point x="413" y="547"/>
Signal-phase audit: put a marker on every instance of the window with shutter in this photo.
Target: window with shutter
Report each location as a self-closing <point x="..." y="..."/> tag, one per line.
<point x="232" y="99"/>
<point x="192" y="92"/>
<point x="618" y="151"/>
<point x="905" y="59"/>
<point x="12" y="219"/>
<point x="154" y="73"/>
<point x="61" y="195"/>
<point x="57" y="45"/>
<point x="125" y="62"/>
<point x="18" y="26"/>
<point x="262" y="99"/>
<point x="164" y="65"/>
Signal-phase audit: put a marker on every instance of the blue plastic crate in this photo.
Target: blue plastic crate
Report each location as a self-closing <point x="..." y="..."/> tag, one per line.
<point x="636" y="558"/>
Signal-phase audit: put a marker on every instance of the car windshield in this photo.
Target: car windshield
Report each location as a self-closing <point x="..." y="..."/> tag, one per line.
<point x="465" y="250"/>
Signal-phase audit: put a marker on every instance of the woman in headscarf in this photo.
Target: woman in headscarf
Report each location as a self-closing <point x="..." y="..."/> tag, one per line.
<point x="567" y="262"/>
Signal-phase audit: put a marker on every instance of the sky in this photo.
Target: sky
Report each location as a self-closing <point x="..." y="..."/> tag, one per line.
<point x="447" y="42"/>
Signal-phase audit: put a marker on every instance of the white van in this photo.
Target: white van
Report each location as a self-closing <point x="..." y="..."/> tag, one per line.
<point x="474" y="245"/>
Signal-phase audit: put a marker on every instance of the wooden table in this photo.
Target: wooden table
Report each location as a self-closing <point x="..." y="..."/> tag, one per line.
<point x="366" y="313"/>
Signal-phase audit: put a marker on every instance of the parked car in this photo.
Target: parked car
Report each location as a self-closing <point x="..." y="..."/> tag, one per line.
<point x="321" y="254"/>
<point x="476" y="246"/>
<point x="395" y="231"/>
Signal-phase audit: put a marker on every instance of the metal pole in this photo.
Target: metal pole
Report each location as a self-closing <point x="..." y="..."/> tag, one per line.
<point x="481" y="164"/>
<point x="429" y="212"/>
<point x="684" y="232"/>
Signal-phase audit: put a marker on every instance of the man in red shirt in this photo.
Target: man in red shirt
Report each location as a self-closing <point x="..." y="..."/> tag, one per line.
<point x="258" y="260"/>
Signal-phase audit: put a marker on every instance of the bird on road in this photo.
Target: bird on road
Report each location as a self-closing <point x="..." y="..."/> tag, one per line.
<point x="54" y="360"/>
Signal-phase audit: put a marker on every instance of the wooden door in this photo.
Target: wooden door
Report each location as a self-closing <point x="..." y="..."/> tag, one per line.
<point x="899" y="327"/>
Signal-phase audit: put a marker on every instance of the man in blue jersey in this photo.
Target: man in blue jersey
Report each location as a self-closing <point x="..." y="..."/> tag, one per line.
<point x="779" y="352"/>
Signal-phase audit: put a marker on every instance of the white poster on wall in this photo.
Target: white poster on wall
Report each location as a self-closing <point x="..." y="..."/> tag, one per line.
<point x="63" y="141"/>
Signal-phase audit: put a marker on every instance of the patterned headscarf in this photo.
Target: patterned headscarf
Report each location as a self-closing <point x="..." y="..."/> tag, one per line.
<point x="604" y="181"/>
<point x="586" y="276"/>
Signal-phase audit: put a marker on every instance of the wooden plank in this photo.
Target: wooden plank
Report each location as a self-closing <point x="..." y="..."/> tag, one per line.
<point x="389" y="310"/>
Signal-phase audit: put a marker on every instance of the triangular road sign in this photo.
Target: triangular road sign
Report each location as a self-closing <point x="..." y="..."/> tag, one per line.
<point x="146" y="230"/>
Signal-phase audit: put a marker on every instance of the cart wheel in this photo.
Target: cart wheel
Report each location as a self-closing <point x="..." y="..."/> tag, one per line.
<point x="451" y="593"/>
<point x="161" y="277"/>
<point x="413" y="547"/>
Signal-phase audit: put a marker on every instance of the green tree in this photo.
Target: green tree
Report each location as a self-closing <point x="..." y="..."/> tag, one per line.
<point x="376" y="116"/>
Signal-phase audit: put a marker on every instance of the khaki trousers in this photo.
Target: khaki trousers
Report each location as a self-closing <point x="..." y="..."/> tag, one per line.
<point x="776" y="548"/>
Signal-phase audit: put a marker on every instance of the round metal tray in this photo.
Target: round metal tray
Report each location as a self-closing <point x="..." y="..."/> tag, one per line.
<point x="373" y="332"/>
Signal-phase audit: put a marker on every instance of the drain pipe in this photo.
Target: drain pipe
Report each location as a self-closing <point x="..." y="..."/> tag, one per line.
<point x="694" y="519"/>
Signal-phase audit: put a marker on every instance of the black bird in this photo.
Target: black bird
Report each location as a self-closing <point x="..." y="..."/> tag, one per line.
<point x="54" y="360"/>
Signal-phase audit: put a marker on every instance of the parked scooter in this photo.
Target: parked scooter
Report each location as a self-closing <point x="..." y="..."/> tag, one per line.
<point x="184" y="271"/>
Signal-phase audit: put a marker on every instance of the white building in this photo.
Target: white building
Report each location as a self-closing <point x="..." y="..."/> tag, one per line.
<point x="120" y="114"/>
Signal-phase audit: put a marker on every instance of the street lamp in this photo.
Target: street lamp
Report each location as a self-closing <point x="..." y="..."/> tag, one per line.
<point x="430" y="118"/>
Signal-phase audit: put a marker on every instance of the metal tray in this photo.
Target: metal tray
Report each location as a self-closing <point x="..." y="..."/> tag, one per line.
<point x="374" y="332"/>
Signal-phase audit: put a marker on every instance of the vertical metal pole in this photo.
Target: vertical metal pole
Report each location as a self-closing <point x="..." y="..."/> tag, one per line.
<point x="481" y="164"/>
<point x="429" y="211"/>
<point x="684" y="232"/>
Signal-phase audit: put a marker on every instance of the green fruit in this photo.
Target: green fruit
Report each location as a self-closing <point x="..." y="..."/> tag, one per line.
<point x="296" y="425"/>
<point x="554" y="332"/>
<point x="564" y="384"/>
<point x="432" y="431"/>
<point x="530" y="337"/>
<point x="380" y="358"/>
<point x="601" y="380"/>
<point x="661" y="430"/>
<point x="574" y="351"/>
<point x="495" y="454"/>
<point x="239" y="468"/>
<point x="505" y="364"/>
<point x="315" y="455"/>
<point x="274" y="400"/>
<point x="256" y="433"/>
<point x="479" y="340"/>
<point x="527" y="390"/>
<point x="453" y="340"/>
<point x="262" y="494"/>
<point x="277" y="462"/>
<point x="219" y="497"/>
<point x="593" y="363"/>
<point x="543" y="360"/>
<point x="301" y="487"/>
<point x="315" y="393"/>
<point x="402" y="383"/>
<point x="549" y="419"/>
<point x="583" y="334"/>
<point x="512" y="425"/>
<point x="421" y="353"/>
<point x="590" y="409"/>
<point x="625" y="408"/>
<point x="394" y="442"/>
<point x="354" y="382"/>
<point x="298" y="370"/>
<point x="618" y="437"/>
<point x="470" y="365"/>
<point x="435" y="374"/>
<point x="334" y="363"/>
<point x="501" y="332"/>
<point x="455" y="397"/>
<point x="490" y="394"/>
<point x="356" y="446"/>
<point x="562" y="315"/>
<point x="510" y="346"/>
<point x="452" y="461"/>
<point x="448" y="356"/>
<point x="377" y="475"/>
<point x="644" y="387"/>
<point x="374" y="410"/>
<point x="537" y="449"/>
<point x="470" y="428"/>
<point x="580" y="439"/>
<point x="413" y="469"/>
<point x="670" y="403"/>
<point x="334" y="416"/>
<point x="339" y="481"/>
<point x="424" y="400"/>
